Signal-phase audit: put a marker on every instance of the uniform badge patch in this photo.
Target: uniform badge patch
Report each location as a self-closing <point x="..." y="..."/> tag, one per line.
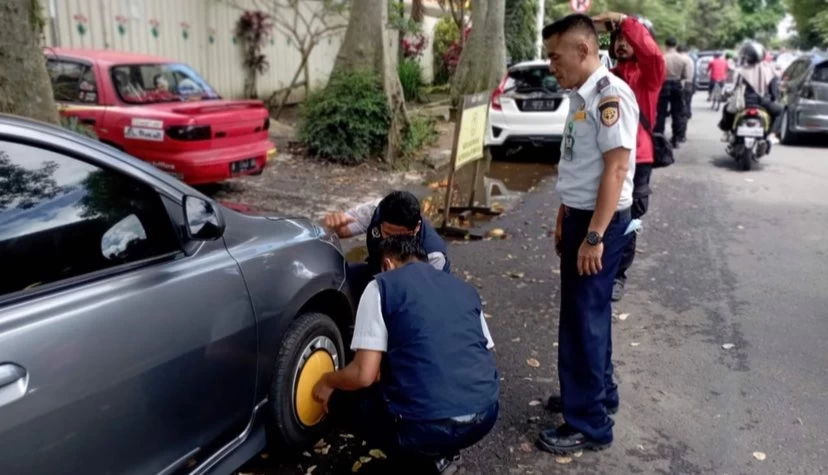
<point x="602" y="83"/>
<point x="610" y="109"/>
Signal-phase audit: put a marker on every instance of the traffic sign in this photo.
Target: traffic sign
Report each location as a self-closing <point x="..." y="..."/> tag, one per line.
<point x="580" y="6"/>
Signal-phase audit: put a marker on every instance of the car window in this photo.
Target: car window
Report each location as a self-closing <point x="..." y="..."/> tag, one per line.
<point x="532" y="78"/>
<point x="796" y="70"/>
<point x="72" y="82"/>
<point x="153" y="83"/>
<point x="61" y="218"/>
<point x="820" y="73"/>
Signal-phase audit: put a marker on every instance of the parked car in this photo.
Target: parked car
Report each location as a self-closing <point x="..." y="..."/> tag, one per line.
<point x="528" y="108"/>
<point x="804" y="87"/>
<point x="703" y="59"/>
<point x="162" y="112"/>
<point x="145" y="328"/>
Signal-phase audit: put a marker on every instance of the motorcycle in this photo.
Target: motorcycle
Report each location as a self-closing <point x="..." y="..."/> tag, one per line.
<point x="748" y="140"/>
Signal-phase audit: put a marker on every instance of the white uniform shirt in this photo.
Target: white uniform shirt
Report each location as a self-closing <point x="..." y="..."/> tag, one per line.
<point x="370" y="332"/>
<point x="362" y="215"/>
<point x="603" y="115"/>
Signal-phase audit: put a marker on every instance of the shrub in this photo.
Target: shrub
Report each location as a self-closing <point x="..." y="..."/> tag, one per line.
<point x="348" y="120"/>
<point x="411" y="78"/>
<point x="414" y="45"/>
<point x="452" y="57"/>
<point x="421" y="132"/>
<point x="446" y="33"/>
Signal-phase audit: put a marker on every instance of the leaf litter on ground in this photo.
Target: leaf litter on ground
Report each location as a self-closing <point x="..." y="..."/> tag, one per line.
<point x="533" y="363"/>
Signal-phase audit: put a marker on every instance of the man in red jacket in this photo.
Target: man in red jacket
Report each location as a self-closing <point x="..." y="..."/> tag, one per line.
<point x="641" y="66"/>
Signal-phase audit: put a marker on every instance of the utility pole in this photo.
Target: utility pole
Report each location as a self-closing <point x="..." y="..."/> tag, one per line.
<point x="539" y="36"/>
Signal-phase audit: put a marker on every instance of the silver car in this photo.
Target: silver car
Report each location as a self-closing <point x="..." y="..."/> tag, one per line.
<point x="804" y="88"/>
<point x="145" y="328"/>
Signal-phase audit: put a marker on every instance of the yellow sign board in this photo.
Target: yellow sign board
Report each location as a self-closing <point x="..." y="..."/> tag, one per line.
<point x="472" y="129"/>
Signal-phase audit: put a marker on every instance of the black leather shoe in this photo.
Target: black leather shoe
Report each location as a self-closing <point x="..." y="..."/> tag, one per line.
<point x="448" y="466"/>
<point x="554" y="405"/>
<point x="564" y="441"/>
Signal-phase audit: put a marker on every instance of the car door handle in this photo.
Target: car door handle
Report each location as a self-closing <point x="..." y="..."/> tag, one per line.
<point x="88" y="121"/>
<point x="13" y="383"/>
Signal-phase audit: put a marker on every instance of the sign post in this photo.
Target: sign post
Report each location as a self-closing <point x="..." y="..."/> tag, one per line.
<point x="469" y="135"/>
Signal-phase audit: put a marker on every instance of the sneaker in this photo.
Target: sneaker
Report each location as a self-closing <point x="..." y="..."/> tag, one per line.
<point x="447" y="466"/>
<point x="617" y="290"/>
<point x="773" y="139"/>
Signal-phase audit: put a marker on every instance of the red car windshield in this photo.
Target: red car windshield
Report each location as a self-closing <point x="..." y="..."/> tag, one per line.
<point x="154" y="83"/>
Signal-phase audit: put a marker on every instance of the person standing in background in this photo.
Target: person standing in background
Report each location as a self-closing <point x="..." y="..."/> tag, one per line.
<point x="717" y="70"/>
<point x="689" y="86"/>
<point x="641" y="66"/>
<point x="672" y="99"/>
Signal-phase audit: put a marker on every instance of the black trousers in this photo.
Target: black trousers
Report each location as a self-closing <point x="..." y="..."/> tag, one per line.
<point x="689" y="90"/>
<point x="364" y="413"/>
<point x="671" y="101"/>
<point x="641" y="201"/>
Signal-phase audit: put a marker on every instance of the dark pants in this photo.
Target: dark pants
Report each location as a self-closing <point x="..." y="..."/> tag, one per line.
<point x="689" y="90"/>
<point x="671" y="101"/>
<point x="711" y="86"/>
<point x="585" y="338"/>
<point x="359" y="275"/>
<point x="641" y="202"/>
<point x="364" y="413"/>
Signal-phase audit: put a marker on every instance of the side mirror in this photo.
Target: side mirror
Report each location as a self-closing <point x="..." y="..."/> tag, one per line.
<point x="204" y="222"/>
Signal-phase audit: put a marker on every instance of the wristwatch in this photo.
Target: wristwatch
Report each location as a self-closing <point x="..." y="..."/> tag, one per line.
<point x="593" y="238"/>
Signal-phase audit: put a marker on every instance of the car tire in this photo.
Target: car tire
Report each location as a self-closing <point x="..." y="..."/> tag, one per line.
<point x="311" y="346"/>
<point x="497" y="152"/>
<point x="786" y="135"/>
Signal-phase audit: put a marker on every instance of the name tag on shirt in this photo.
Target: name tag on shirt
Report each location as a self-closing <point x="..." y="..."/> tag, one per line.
<point x="580" y="115"/>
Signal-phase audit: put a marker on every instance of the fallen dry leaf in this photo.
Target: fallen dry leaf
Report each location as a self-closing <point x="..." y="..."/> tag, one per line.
<point x="356" y="466"/>
<point x="526" y="447"/>
<point x="533" y="363"/>
<point x="555" y="344"/>
<point x="365" y="459"/>
<point x="306" y="454"/>
<point x="264" y="455"/>
<point x="760" y="456"/>
<point x="516" y="275"/>
<point x="623" y="316"/>
<point x="635" y="343"/>
<point x="728" y="346"/>
<point x="321" y="443"/>
<point x="534" y="402"/>
<point x="514" y="340"/>
<point x="487" y="315"/>
<point x="377" y="454"/>
<point x="563" y="460"/>
<point x="310" y="469"/>
<point x="496" y="233"/>
<point x="347" y="436"/>
<point x="578" y="454"/>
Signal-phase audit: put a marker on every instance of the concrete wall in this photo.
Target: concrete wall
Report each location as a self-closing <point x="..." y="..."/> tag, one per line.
<point x="197" y="32"/>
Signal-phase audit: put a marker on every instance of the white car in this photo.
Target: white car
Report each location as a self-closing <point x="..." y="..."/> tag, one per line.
<point x="528" y="108"/>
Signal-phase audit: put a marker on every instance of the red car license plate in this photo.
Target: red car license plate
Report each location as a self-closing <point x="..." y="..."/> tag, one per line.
<point x="242" y="166"/>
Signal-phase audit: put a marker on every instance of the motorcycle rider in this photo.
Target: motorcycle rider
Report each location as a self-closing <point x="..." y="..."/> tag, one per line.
<point x="761" y="88"/>
<point x="641" y="65"/>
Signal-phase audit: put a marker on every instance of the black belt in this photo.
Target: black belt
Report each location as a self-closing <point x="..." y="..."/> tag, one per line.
<point x="624" y="214"/>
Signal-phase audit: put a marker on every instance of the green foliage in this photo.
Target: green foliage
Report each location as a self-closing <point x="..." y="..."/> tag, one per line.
<point x="520" y="28"/>
<point x="421" y="132"/>
<point x="398" y="21"/>
<point x="445" y="34"/>
<point x="705" y="24"/>
<point x="811" y="18"/>
<point x="411" y="78"/>
<point x="348" y="120"/>
<point x="71" y="123"/>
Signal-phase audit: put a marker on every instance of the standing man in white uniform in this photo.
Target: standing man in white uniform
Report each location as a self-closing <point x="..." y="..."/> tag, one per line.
<point x="595" y="184"/>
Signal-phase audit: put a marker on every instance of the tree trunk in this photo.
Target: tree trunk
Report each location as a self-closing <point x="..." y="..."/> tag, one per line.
<point x="417" y="11"/>
<point x="368" y="46"/>
<point x="25" y="88"/>
<point x="401" y="33"/>
<point x="483" y="60"/>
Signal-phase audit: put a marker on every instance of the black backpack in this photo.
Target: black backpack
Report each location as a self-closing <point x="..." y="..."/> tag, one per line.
<point x="662" y="148"/>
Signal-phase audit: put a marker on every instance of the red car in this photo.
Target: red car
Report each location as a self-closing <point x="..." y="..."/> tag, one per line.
<point x="162" y="112"/>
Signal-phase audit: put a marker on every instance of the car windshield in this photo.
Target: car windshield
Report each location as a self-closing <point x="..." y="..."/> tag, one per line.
<point x="532" y="78"/>
<point x="820" y="73"/>
<point x="154" y="83"/>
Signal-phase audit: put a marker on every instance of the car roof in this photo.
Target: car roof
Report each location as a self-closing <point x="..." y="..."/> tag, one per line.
<point x="106" y="56"/>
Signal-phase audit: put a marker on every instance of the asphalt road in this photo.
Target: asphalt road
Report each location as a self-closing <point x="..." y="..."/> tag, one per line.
<point x="726" y="258"/>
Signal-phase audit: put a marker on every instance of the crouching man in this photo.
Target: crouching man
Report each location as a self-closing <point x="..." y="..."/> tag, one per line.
<point x="396" y="214"/>
<point x="423" y="384"/>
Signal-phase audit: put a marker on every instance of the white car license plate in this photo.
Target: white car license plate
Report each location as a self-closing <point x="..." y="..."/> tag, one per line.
<point x="745" y="131"/>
